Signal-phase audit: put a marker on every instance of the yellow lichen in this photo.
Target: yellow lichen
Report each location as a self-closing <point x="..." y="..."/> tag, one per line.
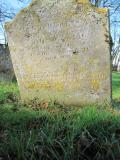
<point x="82" y="1"/>
<point x="28" y="69"/>
<point x="95" y="84"/>
<point x="70" y="14"/>
<point x="100" y="75"/>
<point x="58" y="86"/>
<point x="102" y="10"/>
<point x="82" y="69"/>
<point x="31" y="85"/>
<point x="45" y="85"/>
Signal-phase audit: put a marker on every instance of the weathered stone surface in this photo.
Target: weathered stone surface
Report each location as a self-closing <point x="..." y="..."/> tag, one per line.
<point x="6" y="68"/>
<point x="60" y="51"/>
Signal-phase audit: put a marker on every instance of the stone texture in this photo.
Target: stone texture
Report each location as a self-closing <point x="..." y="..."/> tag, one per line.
<point x="60" y="52"/>
<point x="6" y="68"/>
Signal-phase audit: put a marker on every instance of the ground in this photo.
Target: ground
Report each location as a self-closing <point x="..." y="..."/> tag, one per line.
<point x="36" y="131"/>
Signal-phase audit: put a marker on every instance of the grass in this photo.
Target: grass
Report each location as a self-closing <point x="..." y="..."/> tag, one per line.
<point x="6" y="88"/>
<point x="116" y="85"/>
<point x="38" y="131"/>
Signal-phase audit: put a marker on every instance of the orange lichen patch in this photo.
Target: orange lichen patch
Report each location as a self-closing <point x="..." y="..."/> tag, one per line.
<point x="82" y="1"/>
<point x="95" y="85"/>
<point x="102" y="10"/>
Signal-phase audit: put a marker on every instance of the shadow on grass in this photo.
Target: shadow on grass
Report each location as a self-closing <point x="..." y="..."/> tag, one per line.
<point x="88" y="134"/>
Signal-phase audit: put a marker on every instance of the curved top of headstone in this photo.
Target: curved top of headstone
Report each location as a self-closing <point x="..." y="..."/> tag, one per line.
<point x="48" y="4"/>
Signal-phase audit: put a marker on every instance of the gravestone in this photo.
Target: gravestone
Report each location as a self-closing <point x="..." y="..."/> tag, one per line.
<point x="6" y="67"/>
<point x="60" y="52"/>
